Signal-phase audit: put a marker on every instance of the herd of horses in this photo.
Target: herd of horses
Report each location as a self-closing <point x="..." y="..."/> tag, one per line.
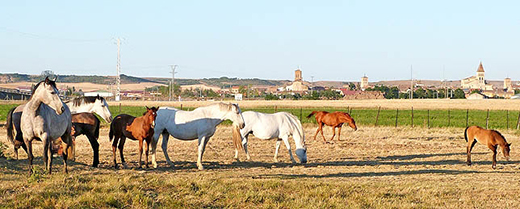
<point x="45" y="117"/>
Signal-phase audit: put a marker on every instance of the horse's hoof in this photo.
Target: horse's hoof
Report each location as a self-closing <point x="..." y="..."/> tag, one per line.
<point x="494" y="167"/>
<point x="469" y="164"/>
<point x="154" y="165"/>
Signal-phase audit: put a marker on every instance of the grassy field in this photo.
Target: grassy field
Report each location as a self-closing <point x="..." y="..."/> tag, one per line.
<point x="373" y="167"/>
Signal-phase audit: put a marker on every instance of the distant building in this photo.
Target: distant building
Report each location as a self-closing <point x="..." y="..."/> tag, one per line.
<point x="297" y="85"/>
<point x="364" y="83"/>
<point x="477" y="82"/>
<point x="475" y="96"/>
<point x="235" y="89"/>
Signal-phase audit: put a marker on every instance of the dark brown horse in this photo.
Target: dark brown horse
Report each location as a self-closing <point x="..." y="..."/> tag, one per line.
<point x="140" y="128"/>
<point x="335" y="119"/>
<point x="490" y="138"/>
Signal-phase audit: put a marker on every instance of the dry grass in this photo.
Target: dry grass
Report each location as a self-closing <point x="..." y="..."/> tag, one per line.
<point x="432" y="104"/>
<point x="372" y="167"/>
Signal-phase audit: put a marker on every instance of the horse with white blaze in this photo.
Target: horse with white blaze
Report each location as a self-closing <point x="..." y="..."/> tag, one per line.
<point x="198" y="124"/>
<point x="279" y="126"/>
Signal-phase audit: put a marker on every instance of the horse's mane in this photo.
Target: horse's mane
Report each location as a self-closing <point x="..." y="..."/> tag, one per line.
<point x="226" y="106"/>
<point x="50" y="82"/>
<point x="500" y="134"/>
<point x="85" y="100"/>
<point x="296" y="122"/>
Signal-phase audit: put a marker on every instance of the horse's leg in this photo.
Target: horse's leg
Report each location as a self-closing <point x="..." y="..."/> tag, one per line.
<point x="155" y="139"/>
<point x="333" y="133"/>
<point x="47" y="152"/>
<point x="494" y="149"/>
<point x="277" y="147"/>
<point x="286" y="141"/>
<point x="95" y="147"/>
<point x="15" y="153"/>
<point x="164" y="147"/>
<point x="317" y="131"/>
<point x="244" y="144"/>
<point x="67" y="138"/>
<point x="202" y="146"/>
<point x="114" y="148"/>
<point x="468" y="150"/>
<point x="28" y="143"/>
<point x="339" y="133"/>
<point x="121" y="146"/>
<point x="147" y="150"/>
<point x="321" y="129"/>
<point x="140" y="152"/>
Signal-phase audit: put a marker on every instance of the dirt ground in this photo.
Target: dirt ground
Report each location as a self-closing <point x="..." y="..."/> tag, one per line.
<point x="426" y="166"/>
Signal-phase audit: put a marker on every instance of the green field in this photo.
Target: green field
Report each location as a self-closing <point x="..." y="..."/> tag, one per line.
<point x="498" y="119"/>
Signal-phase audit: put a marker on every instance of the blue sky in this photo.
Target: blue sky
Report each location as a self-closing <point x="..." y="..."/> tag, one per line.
<point x="330" y="40"/>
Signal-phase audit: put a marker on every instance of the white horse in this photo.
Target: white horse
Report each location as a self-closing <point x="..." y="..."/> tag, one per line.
<point x="47" y="118"/>
<point x="198" y="124"/>
<point x="279" y="126"/>
<point x="95" y="104"/>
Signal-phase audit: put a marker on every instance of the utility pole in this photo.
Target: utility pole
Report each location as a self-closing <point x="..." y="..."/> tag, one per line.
<point x="312" y="84"/>
<point x="118" y="67"/>
<point x="172" y="88"/>
<point x="411" y="82"/>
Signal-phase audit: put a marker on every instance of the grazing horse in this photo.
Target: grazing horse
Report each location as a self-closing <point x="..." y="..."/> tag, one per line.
<point x="491" y="138"/>
<point x="47" y="118"/>
<point x="335" y="119"/>
<point x="279" y="126"/>
<point x="198" y="124"/>
<point x="84" y="106"/>
<point x="140" y="128"/>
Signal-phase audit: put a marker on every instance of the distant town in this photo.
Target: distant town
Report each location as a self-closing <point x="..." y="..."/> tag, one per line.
<point x="18" y="86"/>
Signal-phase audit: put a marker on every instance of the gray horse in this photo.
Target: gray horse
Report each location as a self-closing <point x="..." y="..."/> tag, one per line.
<point x="47" y="118"/>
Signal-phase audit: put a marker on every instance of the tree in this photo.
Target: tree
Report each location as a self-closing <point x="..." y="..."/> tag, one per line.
<point x="46" y="73"/>
<point x="475" y="91"/>
<point x="517" y="91"/>
<point x="419" y="93"/>
<point x="459" y="94"/>
<point x="352" y="86"/>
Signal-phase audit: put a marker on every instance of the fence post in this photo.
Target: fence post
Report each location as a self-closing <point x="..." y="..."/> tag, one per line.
<point x="428" y="118"/>
<point x="449" y="119"/>
<point x="181" y="106"/>
<point x="350" y="111"/>
<point x="119" y="107"/>
<point x="467" y="117"/>
<point x="518" y="123"/>
<point x="412" y="117"/>
<point x="487" y="119"/>
<point x="377" y="117"/>
<point x="397" y="116"/>
<point x="275" y="108"/>
<point x="507" y="118"/>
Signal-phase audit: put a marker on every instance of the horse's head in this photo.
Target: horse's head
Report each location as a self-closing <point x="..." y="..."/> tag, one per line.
<point x="235" y="114"/>
<point x="302" y="154"/>
<point x="506" y="149"/>
<point x="350" y="121"/>
<point x="100" y="107"/>
<point x="150" y="115"/>
<point x="46" y="92"/>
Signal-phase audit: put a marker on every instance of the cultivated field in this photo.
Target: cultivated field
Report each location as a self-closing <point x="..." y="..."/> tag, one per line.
<point x="372" y="167"/>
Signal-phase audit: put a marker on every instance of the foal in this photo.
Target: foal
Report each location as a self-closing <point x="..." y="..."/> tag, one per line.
<point x="491" y="138"/>
<point x="335" y="119"/>
<point x="140" y="128"/>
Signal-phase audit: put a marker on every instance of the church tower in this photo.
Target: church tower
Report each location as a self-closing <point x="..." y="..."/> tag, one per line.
<point x="480" y="75"/>
<point x="298" y="75"/>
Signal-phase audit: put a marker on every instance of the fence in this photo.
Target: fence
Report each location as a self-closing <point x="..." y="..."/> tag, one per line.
<point x="492" y="119"/>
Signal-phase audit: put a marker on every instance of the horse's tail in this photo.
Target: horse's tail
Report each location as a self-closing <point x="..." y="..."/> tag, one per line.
<point x="312" y="113"/>
<point x="237" y="138"/>
<point x="111" y="132"/>
<point x="96" y="131"/>
<point x="9" y="125"/>
<point x="466" y="134"/>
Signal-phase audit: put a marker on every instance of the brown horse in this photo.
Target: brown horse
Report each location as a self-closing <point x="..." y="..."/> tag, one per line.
<point x="491" y="138"/>
<point x="335" y="119"/>
<point x="140" y="128"/>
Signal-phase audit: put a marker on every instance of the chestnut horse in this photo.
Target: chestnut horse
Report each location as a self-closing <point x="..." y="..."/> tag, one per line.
<point x="491" y="138"/>
<point x="140" y="128"/>
<point x="335" y="119"/>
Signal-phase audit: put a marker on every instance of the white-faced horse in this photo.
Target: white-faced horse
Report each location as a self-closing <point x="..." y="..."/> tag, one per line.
<point x="198" y="124"/>
<point x="47" y="118"/>
<point x="279" y="126"/>
<point x="77" y="106"/>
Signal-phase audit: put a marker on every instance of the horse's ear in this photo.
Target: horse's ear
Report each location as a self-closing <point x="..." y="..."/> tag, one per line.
<point x="56" y="78"/>
<point x="147" y="108"/>
<point x="47" y="80"/>
<point x="98" y="97"/>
